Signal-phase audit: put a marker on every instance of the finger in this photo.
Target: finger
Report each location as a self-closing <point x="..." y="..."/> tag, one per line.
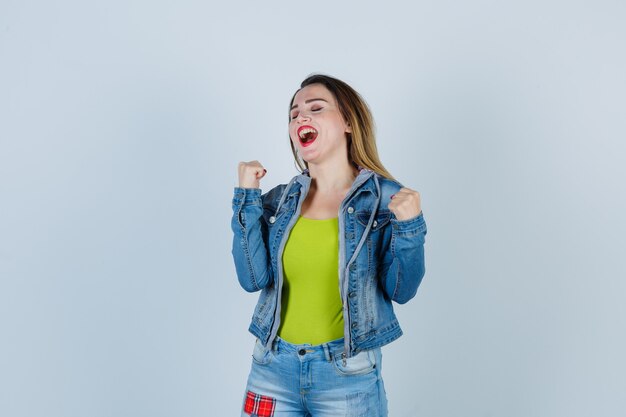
<point x="407" y="194"/>
<point x="405" y="191"/>
<point x="399" y="192"/>
<point x="252" y="166"/>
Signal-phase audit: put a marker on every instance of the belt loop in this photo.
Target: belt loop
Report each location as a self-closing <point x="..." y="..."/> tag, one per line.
<point x="327" y="352"/>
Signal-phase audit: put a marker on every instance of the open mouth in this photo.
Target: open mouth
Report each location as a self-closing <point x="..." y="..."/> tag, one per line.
<point x="307" y="135"/>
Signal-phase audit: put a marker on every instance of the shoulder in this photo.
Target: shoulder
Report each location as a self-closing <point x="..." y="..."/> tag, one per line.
<point x="273" y="193"/>
<point x="273" y="196"/>
<point x="388" y="187"/>
<point x="270" y="198"/>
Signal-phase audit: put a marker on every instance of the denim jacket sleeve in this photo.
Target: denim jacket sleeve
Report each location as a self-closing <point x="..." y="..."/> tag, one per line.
<point x="403" y="263"/>
<point x="252" y="260"/>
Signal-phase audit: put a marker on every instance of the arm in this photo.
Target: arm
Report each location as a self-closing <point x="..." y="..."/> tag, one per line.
<point x="403" y="268"/>
<point x="249" y="249"/>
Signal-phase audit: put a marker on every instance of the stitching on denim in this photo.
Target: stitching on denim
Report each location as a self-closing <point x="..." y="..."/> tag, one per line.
<point x="370" y="255"/>
<point x="393" y="254"/>
<point x="261" y="309"/>
<point x="244" y="244"/>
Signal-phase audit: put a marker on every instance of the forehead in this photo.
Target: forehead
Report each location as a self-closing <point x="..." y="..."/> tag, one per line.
<point x="313" y="91"/>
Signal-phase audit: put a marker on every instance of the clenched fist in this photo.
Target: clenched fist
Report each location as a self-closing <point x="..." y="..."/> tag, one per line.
<point x="250" y="173"/>
<point x="405" y="204"/>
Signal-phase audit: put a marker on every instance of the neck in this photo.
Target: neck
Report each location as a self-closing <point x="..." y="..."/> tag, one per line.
<point x="332" y="177"/>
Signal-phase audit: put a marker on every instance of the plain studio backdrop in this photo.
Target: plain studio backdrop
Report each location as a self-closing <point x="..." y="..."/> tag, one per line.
<point x="121" y="126"/>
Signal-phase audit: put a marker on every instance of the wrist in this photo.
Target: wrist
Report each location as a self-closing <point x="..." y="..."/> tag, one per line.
<point x="255" y="184"/>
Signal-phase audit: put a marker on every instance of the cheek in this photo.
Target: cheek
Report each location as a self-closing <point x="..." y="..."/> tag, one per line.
<point x="292" y="130"/>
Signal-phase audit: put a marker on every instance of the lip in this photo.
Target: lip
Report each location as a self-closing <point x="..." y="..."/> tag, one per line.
<point x="304" y="127"/>
<point x="305" y="144"/>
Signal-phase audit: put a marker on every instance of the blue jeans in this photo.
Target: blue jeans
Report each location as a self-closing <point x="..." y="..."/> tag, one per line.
<point x="314" y="381"/>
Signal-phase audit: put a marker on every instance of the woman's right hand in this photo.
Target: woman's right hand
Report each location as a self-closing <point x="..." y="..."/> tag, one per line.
<point x="250" y="173"/>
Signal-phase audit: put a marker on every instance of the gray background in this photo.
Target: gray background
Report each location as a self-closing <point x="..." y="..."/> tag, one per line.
<point x="121" y="126"/>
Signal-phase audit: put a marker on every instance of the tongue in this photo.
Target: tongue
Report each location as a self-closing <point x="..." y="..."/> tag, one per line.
<point x="309" y="137"/>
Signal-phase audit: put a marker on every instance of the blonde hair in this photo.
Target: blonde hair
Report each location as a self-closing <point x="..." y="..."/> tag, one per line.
<point x="362" y="150"/>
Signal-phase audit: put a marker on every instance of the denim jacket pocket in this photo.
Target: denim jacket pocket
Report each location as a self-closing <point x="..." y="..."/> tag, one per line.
<point x="380" y="220"/>
<point x="362" y="363"/>
<point x="274" y="214"/>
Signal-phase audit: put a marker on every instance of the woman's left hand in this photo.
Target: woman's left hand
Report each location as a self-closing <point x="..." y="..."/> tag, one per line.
<point x="405" y="204"/>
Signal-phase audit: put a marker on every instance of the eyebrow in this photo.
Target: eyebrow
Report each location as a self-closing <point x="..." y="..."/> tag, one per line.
<point x="308" y="101"/>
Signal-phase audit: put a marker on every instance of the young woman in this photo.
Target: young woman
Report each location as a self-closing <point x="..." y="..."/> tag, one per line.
<point x="329" y="251"/>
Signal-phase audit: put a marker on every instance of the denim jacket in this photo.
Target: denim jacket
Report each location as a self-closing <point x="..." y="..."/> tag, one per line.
<point x="381" y="258"/>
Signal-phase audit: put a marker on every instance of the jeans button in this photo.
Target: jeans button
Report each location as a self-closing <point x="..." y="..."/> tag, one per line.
<point x="301" y="352"/>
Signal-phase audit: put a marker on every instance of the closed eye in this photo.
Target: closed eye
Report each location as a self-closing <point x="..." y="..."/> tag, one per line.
<point x="316" y="109"/>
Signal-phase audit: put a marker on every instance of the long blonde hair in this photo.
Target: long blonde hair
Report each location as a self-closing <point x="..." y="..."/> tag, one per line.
<point x="362" y="149"/>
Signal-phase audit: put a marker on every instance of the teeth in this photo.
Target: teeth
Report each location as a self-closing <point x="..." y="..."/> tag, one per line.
<point x="303" y="132"/>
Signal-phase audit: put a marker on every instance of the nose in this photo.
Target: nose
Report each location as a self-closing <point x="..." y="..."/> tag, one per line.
<point x="302" y="116"/>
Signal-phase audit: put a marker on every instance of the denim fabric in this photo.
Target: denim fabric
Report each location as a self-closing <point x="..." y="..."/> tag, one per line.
<point x="307" y="380"/>
<point x="381" y="258"/>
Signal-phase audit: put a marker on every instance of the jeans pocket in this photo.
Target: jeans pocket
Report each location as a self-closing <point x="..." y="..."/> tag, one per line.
<point x="261" y="355"/>
<point x="359" y="364"/>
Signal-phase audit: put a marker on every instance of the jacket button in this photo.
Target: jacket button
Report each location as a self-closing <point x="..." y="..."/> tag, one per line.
<point x="352" y="294"/>
<point x="272" y="219"/>
<point x="352" y="266"/>
<point x="350" y="210"/>
<point x="354" y="325"/>
<point x="375" y="223"/>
